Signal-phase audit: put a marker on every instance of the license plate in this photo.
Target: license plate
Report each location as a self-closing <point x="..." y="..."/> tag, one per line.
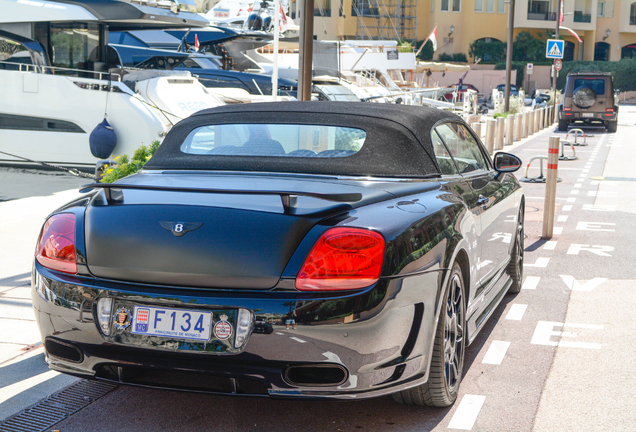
<point x="587" y="114"/>
<point x="174" y="323"/>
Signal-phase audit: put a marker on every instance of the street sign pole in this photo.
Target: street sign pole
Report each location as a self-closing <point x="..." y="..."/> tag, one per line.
<point x="511" y="27"/>
<point x="554" y="78"/>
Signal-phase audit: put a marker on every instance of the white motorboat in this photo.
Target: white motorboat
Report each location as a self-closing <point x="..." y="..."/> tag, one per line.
<point x="59" y="79"/>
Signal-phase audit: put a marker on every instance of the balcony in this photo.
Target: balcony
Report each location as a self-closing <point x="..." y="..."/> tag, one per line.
<point x="542" y="16"/>
<point x="580" y="17"/>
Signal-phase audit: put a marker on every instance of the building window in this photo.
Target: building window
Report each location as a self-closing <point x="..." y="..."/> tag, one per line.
<point x="632" y="14"/>
<point x="629" y="51"/>
<point x="364" y="8"/>
<point x="445" y="5"/>
<point x="568" y="51"/>
<point x="600" y="9"/>
<point x="432" y="5"/>
<point x="322" y="8"/>
<point x="601" y="51"/>
<point x="479" y="5"/>
<point x="501" y="6"/>
<point x="490" y="6"/>
<point x="457" y="4"/>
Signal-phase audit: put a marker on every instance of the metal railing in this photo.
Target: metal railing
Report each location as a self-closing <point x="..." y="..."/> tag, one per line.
<point x="80" y="73"/>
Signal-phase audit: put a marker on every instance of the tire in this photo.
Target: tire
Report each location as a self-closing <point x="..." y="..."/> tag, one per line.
<point x="612" y="126"/>
<point x="563" y="125"/>
<point x="515" y="267"/>
<point x="584" y="97"/>
<point x="447" y="361"/>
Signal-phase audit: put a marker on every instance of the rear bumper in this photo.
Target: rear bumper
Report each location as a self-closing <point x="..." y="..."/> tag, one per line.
<point x="578" y="116"/>
<point x="368" y="343"/>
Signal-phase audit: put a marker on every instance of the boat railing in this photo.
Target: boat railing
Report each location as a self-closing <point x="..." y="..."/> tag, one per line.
<point x="80" y="73"/>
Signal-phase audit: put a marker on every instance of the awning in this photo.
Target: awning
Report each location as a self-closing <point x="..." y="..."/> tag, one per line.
<point x="441" y="67"/>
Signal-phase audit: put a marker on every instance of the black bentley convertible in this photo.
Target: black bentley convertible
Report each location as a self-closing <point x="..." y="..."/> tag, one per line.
<point x="298" y="250"/>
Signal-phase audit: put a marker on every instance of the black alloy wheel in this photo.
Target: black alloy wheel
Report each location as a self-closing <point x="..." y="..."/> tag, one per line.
<point x="447" y="361"/>
<point x="515" y="267"/>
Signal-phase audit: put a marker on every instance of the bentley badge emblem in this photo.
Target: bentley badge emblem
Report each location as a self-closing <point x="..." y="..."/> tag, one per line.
<point x="180" y="228"/>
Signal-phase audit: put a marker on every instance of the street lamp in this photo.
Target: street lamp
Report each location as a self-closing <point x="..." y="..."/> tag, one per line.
<point x="452" y="29"/>
<point x="608" y="32"/>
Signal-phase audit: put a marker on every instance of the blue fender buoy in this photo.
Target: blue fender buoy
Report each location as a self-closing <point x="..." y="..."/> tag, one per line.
<point x="103" y="140"/>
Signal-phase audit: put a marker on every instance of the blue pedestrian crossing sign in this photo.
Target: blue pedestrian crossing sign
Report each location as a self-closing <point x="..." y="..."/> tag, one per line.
<point x="554" y="49"/>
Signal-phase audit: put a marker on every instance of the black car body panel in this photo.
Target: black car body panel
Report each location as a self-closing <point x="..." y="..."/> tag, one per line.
<point x="347" y="344"/>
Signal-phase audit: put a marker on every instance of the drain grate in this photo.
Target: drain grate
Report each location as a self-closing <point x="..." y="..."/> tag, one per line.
<point x="57" y="407"/>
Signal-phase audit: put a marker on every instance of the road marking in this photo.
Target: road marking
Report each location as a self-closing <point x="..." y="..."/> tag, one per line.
<point x="551" y="245"/>
<point x="544" y="331"/>
<point x="574" y="192"/>
<point x="541" y="262"/>
<point x="607" y="208"/>
<point x="574" y="249"/>
<point x="496" y="352"/>
<point x="609" y="194"/>
<point x="298" y="340"/>
<point x="282" y="334"/>
<point x="562" y="218"/>
<point x="557" y="230"/>
<point x="531" y="282"/>
<point x="566" y="208"/>
<point x="467" y="412"/>
<point x="578" y="185"/>
<point x="332" y="357"/>
<point x="594" y="226"/>
<point x="21" y="386"/>
<point x="571" y="199"/>
<point x="586" y="171"/>
<point x="575" y="285"/>
<point x="516" y="312"/>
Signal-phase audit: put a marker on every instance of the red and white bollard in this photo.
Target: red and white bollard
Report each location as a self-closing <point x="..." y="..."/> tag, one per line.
<point x="550" y="187"/>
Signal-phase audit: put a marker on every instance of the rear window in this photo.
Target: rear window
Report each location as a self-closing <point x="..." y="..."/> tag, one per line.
<point x="278" y="140"/>
<point x="596" y="84"/>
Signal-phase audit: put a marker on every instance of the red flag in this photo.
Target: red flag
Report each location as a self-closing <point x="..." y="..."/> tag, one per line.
<point x="573" y="33"/>
<point x="561" y="15"/>
<point x="196" y="41"/>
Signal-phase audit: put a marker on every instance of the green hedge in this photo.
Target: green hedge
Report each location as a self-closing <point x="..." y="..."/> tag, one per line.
<point x="623" y="71"/>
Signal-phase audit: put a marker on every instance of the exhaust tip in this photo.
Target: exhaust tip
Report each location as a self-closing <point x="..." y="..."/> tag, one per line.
<point x="316" y="375"/>
<point x="63" y="350"/>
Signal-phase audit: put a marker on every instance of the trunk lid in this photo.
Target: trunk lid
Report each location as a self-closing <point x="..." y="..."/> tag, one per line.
<point x="208" y="239"/>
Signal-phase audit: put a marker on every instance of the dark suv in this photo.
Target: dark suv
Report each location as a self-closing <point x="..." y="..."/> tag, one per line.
<point x="589" y="98"/>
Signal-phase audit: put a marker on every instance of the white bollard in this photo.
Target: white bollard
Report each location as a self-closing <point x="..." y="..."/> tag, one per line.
<point x="550" y="188"/>
<point x="510" y="129"/>
<point x="499" y="135"/>
<point x="490" y="135"/>
<point x="524" y="124"/>
<point x="518" y="126"/>
<point x="477" y="128"/>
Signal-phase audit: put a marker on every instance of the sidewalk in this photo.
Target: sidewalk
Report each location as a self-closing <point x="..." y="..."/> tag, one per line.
<point x="593" y="389"/>
<point x="21" y="353"/>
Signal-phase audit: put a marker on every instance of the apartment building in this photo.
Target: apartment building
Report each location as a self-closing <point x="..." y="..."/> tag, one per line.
<point x="607" y="28"/>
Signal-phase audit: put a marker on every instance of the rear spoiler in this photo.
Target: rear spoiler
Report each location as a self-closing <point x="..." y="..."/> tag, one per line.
<point x="288" y="198"/>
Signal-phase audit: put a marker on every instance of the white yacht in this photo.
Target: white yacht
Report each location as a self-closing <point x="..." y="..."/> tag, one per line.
<point x="59" y="79"/>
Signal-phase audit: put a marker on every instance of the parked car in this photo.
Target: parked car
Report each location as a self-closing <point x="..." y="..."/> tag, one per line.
<point x="589" y="99"/>
<point x="514" y="91"/>
<point x="386" y="231"/>
<point x="461" y="89"/>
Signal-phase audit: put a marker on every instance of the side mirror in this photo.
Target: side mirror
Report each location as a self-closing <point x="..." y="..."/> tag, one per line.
<point x="506" y="162"/>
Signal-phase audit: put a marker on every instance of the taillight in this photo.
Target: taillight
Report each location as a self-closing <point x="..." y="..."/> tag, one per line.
<point x="567" y="109"/>
<point x="56" y="248"/>
<point x="609" y="109"/>
<point x="342" y="259"/>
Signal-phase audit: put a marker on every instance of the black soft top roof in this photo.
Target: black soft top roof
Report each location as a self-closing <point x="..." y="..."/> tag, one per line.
<point x="398" y="142"/>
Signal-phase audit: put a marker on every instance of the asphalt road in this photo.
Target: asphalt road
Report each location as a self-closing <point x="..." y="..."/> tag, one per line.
<point x="558" y="356"/>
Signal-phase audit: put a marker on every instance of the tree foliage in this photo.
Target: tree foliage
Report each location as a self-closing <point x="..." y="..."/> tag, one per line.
<point x="487" y="50"/>
<point x="427" y="52"/>
<point x="623" y="72"/>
